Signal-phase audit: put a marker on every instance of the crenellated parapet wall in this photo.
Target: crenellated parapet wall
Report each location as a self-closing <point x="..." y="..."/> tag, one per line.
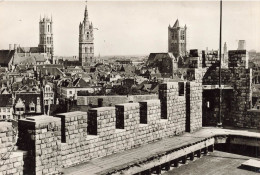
<point x="40" y="137"/>
<point x="78" y="137"/>
<point x="73" y="134"/>
<point x="193" y="106"/>
<point x="11" y="161"/>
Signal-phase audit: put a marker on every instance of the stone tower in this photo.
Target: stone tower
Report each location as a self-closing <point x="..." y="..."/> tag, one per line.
<point x="86" y="41"/>
<point x="177" y="39"/>
<point x="46" y="36"/>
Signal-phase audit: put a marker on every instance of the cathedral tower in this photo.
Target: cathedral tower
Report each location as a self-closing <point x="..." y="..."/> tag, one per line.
<point x="86" y="41"/>
<point x="46" y="36"/>
<point x="177" y="39"/>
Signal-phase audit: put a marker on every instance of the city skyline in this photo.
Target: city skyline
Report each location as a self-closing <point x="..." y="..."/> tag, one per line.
<point x="131" y="28"/>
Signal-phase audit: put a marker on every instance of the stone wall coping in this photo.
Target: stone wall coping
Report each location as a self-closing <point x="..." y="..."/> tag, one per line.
<point x="41" y="119"/>
<point x="16" y="154"/>
<point x="100" y="109"/>
<point x="151" y="101"/>
<point x="128" y="104"/>
<point x="171" y="83"/>
<point x="143" y="125"/>
<point x="119" y="130"/>
<point x="90" y="137"/>
<point x="71" y="113"/>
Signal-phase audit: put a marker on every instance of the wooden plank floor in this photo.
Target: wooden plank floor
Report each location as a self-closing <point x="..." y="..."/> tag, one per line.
<point x="132" y="156"/>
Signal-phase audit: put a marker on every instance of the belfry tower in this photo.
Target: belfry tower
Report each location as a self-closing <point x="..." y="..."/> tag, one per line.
<point x="86" y="41"/>
<point x="177" y="39"/>
<point x="46" y="36"/>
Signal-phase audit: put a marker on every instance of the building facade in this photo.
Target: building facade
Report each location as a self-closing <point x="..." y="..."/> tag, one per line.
<point x="86" y="41"/>
<point x="6" y="107"/>
<point x="46" y="36"/>
<point x="177" y="39"/>
<point x="48" y="94"/>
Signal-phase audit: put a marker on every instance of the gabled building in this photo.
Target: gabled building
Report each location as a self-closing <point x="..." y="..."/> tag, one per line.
<point x="28" y="104"/>
<point x="6" y="107"/>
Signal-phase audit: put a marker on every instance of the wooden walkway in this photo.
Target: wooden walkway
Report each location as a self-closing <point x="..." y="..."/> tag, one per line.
<point x="133" y="156"/>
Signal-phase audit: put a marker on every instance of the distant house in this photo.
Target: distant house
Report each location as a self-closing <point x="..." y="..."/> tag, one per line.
<point x="71" y="92"/>
<point x="69" y="89"/>
<point x="48" y="94"/>
<point x="27" y="104"/>
<point x="6" y="107"/>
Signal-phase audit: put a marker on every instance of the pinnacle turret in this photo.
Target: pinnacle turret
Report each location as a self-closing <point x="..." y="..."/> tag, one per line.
<point x="86" y="14"/>
<point x="176" y="23"/>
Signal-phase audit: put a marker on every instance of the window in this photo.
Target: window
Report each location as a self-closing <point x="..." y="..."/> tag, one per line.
<point x="70" y="92"/>
<point x="4" y="110"/>
<point x="8" y="109"/>
<point x="32" y="109"/>
<point x="86" y="50"/>
<point x="48" y="28"/>
<point x="90" y="49"/>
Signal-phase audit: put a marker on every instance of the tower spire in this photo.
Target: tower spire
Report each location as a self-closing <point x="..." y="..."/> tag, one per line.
<point x="86" y="12"/>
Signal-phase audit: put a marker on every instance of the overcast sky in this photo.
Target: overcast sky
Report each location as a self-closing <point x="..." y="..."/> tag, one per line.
<point x="133" y="27"/>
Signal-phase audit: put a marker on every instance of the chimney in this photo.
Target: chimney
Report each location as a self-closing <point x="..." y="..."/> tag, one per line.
<point x="10" y="47"/>
<point x="15" y="48"/>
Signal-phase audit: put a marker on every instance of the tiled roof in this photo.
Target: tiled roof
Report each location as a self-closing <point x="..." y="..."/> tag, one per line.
<point x="6" y="100"/>
<point x="39" y="58"/>
<point x="28" y="59"/>
<point x="28" y="49"/>
<point x="24" y="59"/>
<point x="5" y="57"/>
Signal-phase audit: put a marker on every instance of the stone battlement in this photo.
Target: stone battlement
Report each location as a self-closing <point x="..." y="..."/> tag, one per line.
<point x="72" y="138"/>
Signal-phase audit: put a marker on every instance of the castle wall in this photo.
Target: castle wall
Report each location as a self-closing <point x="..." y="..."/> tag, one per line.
<point x="11" y="161"/>
<point x="40" y="137"/>
<point x="78" y="136"/>
<point x="236" y="102"/>
<point x="193" y="106"/>
<point x="113" y="100"/>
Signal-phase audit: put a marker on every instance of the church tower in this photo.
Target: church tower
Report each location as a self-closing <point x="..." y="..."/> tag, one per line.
<point x="177" y="39"/>
<point x="86" y="41"/>
<point x="46" y="36"/>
